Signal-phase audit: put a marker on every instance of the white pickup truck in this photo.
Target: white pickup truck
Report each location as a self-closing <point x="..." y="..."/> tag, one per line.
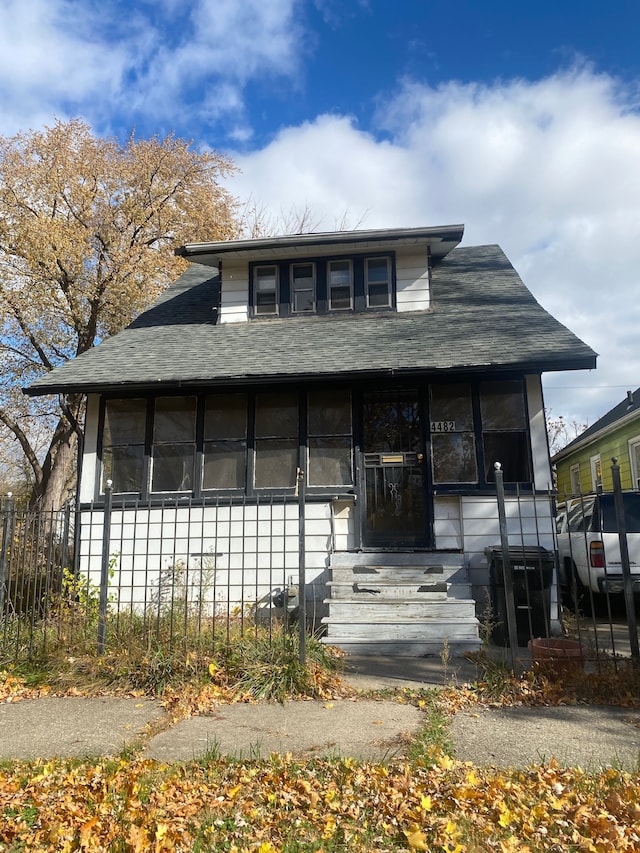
<point x="589" y="545"/>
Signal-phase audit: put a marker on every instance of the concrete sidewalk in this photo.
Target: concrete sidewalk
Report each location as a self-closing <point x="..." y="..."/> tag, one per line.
<point x="374" y="729"/>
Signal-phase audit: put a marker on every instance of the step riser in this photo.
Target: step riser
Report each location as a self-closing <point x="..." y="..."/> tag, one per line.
<point x="386" y="592"/>
<point x="401" y="611"/>
<point x="407" y="649"/>
<point x="418" y="631"/>
<point x="393" y="575"/>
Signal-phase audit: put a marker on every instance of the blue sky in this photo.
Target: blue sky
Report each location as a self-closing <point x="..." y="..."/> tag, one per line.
<point x="519" y="119"/>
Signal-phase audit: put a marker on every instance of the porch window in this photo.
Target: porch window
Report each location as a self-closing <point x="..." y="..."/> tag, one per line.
<point x="174" y="444"/>
<point x="329" y="427"/>
<point x="340" y="284"/>
<point x="225" y="441"/>
<point x="123" y="444"/>
<point x="303" y="288"/>
<point x="504" y="431"/>
<point x="276" y="441"/>
<point x="453" y="443"/>
<point x="378" y="282"/>
<point x="266" y="289"/>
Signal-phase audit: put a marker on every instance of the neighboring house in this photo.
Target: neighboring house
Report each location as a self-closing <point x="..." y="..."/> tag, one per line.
<point x="391" y="367"/>
<point x="584" y="465"/>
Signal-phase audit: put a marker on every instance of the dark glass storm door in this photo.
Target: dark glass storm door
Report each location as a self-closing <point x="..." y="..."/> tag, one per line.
<point x="393" y="471"/>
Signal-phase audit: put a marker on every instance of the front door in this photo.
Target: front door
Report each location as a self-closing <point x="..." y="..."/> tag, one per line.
<point x="393" y="466"/>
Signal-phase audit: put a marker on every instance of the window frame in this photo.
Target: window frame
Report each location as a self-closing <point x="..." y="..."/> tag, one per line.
<point x="575" y="480"/>
<point x="634" y="461"/>
<point x="595" y="466"/>
<point x="276" y="291"/>
<point x="313" y="288"/>
<point x="198" y="490"/>
<point x="359" y="299"/>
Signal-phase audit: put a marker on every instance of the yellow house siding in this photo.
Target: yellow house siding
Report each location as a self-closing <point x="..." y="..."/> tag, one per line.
<point x="614" y="443"/>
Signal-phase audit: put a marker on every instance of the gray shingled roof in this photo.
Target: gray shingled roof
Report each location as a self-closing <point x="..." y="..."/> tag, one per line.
<point x="483" y="317"/>
<point x="628" y="408"/>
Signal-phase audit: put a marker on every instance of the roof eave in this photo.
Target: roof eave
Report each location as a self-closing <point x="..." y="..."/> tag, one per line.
<point x="531" y="367"/>
<point x="442" y="240"/>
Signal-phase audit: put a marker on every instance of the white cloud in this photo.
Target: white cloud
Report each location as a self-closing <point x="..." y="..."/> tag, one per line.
<point x="147" y="61"/>
<point x="549" y="169"/>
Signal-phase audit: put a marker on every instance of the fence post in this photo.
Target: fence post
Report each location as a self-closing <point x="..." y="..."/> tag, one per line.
<point x="510" y="603"/>
<point x="302" y="592"/>
<point x="7" y="530"/>
<point x="624" y="560"/>
<point x="104" y="568"/>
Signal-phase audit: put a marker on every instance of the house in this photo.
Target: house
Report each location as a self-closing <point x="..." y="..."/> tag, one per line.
<point x="584" y="465"/>
<point x="383" y="372"/>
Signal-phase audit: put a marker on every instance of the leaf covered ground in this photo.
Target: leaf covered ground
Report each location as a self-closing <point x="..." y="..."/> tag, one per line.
<point x="426" y="801"/>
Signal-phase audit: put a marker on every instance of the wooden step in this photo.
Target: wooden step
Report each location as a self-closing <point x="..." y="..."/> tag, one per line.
<point x="400" y="603"/>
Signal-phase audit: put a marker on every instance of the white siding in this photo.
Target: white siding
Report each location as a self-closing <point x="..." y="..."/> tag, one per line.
<point x="234" y="284"/>
<point x="539" y="444"/>
<point x="447" y="523"/>
<point x="413" y="291"/>
<point x="227" y="555"/>
<point x="90" y="455"/>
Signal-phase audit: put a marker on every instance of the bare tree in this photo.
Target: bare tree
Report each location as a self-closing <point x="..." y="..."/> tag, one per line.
<point x="87" y="232"/>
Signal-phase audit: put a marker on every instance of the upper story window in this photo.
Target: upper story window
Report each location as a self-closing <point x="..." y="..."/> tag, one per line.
<point x="303" y="288"/>
<point x="340" y="285"/>
<point x="265" y="281"/>
<point x="322" y="285"/>
<point x="378" y="282"/>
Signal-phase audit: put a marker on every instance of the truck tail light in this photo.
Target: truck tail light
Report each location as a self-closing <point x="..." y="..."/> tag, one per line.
<point x="596" y="555"/>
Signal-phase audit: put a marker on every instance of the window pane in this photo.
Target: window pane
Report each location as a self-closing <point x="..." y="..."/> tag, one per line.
<point x="303" y="300"/>
<point x="173" y="466"/>
<point x="502" y="405"/>
<point x="377" y="270"/>
<point x="454" y="458"/>
<point x="123" y="466"/>
<point x="276" y="464"/>
<point x="330" y="412"/>
<point x="124" y="422"/>
<point x="330" y="462"/>
<point x="225" y="416"/>
<point x="510" y="449"/>
<point x="340" y="297"/>
<point x="452" y="404"/>
<point x="224" y="465"/>
<point x="339" y="273"/>
<point x="378" y="296"/>
<point x="175" y="419"/>
<point x="277" y="415"/>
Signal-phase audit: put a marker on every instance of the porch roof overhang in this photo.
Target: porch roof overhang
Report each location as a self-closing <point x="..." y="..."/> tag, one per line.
<point x="484" y="320"/>
<point x="440" y="240"/>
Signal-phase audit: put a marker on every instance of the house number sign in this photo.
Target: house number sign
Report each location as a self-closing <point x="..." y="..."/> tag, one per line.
<point x="443" y="426"/>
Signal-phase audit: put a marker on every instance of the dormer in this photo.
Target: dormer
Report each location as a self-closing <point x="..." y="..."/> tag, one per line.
<point x="330" y="273"/>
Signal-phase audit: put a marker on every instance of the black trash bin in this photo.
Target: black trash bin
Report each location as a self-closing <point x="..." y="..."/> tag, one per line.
<point x="531" y="567"/>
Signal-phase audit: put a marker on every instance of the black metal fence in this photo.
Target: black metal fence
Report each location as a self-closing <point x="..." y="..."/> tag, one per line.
<point x="179" y="573"/>
<point x="579" y="596"/>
